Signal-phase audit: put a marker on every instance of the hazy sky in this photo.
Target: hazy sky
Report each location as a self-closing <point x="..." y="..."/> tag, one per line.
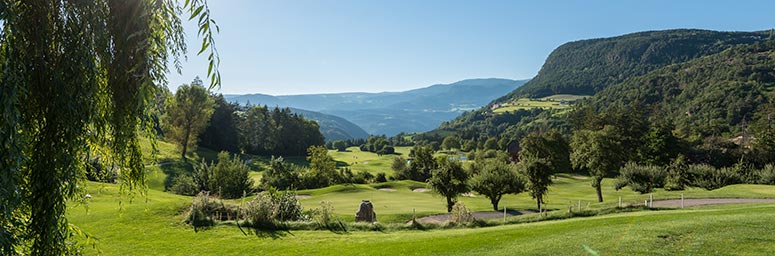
<point x="298" y="47"/>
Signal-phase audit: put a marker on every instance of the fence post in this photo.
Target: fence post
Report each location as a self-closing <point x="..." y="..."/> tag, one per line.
<point x="682" y="200"/>
<point x="651" y="200"/>
<point x="579" y="205"/>
<point x="504" y="214"/>
<point x="620" y="201"/>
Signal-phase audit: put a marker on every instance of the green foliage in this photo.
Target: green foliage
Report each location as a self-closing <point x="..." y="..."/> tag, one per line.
<point x="221" y="132"/>
<point x="597" y="151"/>
<point x="449" y="180"/>
<point x="340" y="145"/>
<point x="461" y="214"/>
<point x="260" y="213"/>
<point x="230" y="177"/>
<point x="205" y="211"/>
<point x="538" y="174"/>
<point x="421" y="165"/>
<point x="381" y="177"/>
<point x="184" y="185"/>
<point x="187" y="115"/>
<point x="677" y="176"/>
<point x="767" y="175"/>
<point x="76" y="77"/>
<point x="640" y="178"/>
<point x="276" y="132"/>
<point x="450" y="142"/>
<point x="710" y="178"/>
<point x="550" y="146"/>
<point x="494" y="178"/>
<point x="379" y="145"/>
<point x="589" y="66"/>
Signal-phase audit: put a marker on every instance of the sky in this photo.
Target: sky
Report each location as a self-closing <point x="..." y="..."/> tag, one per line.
<point x="328" y="46"/>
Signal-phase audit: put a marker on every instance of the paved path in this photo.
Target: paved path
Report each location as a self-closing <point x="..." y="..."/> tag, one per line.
<point x="675" y="203"/>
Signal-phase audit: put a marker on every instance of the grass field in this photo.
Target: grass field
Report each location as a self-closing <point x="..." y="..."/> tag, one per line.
<point x="153" y="226"/>
<point x="559" y="101"/>
<point x="357" y="160"/>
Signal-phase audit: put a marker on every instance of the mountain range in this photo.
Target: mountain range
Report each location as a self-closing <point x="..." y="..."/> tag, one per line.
<point x="389" y="113"/>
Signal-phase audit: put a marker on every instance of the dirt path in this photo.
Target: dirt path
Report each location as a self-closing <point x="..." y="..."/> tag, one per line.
<point x="441" y="218"/>
<point x="675" y="203"/>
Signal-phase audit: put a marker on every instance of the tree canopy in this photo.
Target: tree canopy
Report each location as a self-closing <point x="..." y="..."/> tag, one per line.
<point x="78" y="76"/>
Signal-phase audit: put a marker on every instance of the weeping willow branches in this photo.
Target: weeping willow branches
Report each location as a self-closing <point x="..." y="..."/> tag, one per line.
<point x="76" y="76"/>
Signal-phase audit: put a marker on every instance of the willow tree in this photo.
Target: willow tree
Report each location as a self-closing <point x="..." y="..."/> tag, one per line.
<point x="77" y="77"/>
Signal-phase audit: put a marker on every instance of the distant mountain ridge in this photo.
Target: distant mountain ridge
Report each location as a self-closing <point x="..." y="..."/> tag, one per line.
<point x="390" y="113"/>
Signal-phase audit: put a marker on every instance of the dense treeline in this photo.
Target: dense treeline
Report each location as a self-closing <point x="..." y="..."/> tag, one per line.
<point x="588" y="66"/>
<point x="259" y="130"/>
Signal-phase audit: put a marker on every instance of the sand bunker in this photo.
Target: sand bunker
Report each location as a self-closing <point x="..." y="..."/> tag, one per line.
<point x="302" y="196"/>
<point x="387" y="189"/>
<point x="421" y="190"/>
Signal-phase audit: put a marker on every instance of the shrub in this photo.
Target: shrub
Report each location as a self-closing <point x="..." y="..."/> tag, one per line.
<point x="362" y="177"/>
<point x="280" y="175"/>
<point x="710" y="178"/>
<point x="205" y="210"/>
<point x="201" y="175"/>
<point x="230" y="177"/>
<point x="325" y="218"/>
<point x="677" y="177"/>
<point x="381" y="177"/>
<point x="286" y="206"/>
<point x="767" y="175"/>
<point x="640" y="178"/>
<point x="461" y="214"/>
<point x="96" y="171"/>
<point x="184" y="185"/>
<point x="260" y="212"/>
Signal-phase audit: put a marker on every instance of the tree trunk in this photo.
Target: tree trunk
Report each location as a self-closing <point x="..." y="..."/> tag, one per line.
<point x="185" y="143"/>
<point x="599" y="192"/>
<point x="494" y="202"/>
<point x="450" y="203"/>
<point x="538" y="203"/>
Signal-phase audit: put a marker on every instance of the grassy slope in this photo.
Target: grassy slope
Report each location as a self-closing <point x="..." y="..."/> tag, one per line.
<point x="357" y="160"/>
<point x="155" y="228"/>
<point x="549" y="102"/>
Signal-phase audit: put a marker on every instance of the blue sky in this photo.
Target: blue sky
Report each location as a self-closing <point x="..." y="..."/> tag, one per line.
<point x="299" y="47"/>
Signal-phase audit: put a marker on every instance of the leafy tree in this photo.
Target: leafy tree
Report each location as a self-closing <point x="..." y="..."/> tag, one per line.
<point x="222" y="133"/>
<point x="187" y="115"/>
<point x="399" y="165"/>
<point x="279" y="175"/>
<point x="677" y="177"/>
<point x="449" y="180"/>
<point x="420" y="166"/>
<point x="659" y="145"/>
<point x="598" y="152"/>
<point x="640" y="178"/>
<point x="323" y="166"/>
<point x="538" y="172"/>
<point x="340" y="145"/>
<point x="491" y="143"/>
<point x="77" y="76"/>
<point x="494" y="178"/>
<point x="230" y="177"/>
<point x="451" y="142"/>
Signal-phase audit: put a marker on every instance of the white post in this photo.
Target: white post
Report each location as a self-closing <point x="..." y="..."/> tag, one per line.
<point x="414" y="215"/>
<point x="651" y="200"/>
<point x="504" y="214"/>
<point x="620" y="201"/>
<point x="579" y="205"/>
<point x="682" y="200"/>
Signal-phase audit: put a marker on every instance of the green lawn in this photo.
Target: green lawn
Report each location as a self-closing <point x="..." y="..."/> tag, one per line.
<point x="558" y="101"/>
<point x="357" y="160"/>
<point x="153" y="226"/>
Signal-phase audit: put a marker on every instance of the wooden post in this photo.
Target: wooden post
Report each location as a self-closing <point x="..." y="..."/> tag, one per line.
<point x="579" y="205"/>
<point x="620" y="201"/>
<point x="682" y="200"/>
<point x="651" y="200"/>
<point x="504" y="214"/>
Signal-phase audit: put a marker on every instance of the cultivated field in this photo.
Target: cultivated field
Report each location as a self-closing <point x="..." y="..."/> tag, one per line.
<point x="559" y="101"/>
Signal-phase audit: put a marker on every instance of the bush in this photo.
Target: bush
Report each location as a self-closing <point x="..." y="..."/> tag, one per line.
<point x="230" y="177"/>
<point x="96" y="171"/>
<point x="260" y="212"/>
<point x="710" y="178"/>
<point x="381" y="177"/>
<point x="362" y="177"/>
<point x="461" y="214"/>
<point x="184" y="185"/>
<point x="206" y="210"/>
<point x="286" y="206"/>
<point x="326" y="219"/>
<point x="677" y="176"/>
<point x="640" y="178"/>
<point x="767" y="175"/>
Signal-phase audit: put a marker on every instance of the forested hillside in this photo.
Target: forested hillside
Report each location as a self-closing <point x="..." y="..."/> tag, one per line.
<point x="586" y="67"/>
<point x="710" y="96"/>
